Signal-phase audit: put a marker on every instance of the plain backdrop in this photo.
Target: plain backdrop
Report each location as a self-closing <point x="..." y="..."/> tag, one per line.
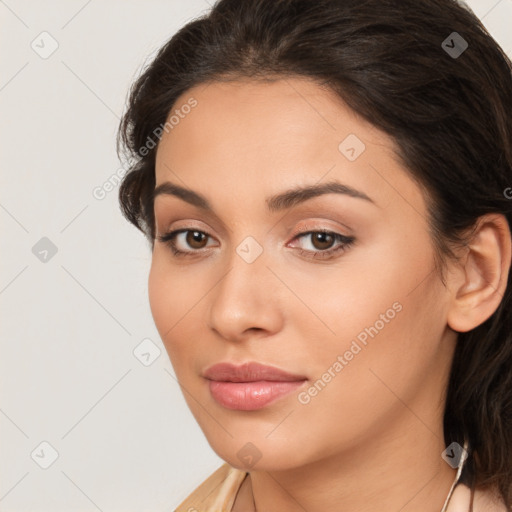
<point x="91" y="416"/>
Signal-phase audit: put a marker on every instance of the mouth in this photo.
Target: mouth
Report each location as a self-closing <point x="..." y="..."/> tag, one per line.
<point x="250" y="386"/>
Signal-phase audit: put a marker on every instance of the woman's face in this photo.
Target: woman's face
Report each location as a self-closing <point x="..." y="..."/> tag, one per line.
<point x="360" y="319"/>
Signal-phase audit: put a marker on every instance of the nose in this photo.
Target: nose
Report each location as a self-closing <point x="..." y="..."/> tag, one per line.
<point x="248" y="298"/>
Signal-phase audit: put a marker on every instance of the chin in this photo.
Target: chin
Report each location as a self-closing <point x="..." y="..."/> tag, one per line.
<point x="260" y="456"/>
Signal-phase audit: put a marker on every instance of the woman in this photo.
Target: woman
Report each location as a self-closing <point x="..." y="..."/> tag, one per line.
<point x="325" y="187"/>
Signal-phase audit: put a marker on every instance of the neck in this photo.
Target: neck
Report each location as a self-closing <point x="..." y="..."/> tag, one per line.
<point x="404" y="472"/>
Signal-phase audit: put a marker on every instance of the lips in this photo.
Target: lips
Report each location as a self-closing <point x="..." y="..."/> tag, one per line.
<point x="250" y="386"/>
<point x="249" y="372"/>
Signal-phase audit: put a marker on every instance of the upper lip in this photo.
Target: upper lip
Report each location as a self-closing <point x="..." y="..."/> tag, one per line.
<point x="248" y="372"/>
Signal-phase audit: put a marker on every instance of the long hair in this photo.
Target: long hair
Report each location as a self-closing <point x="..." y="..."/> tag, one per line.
<point x="428" y="74"/>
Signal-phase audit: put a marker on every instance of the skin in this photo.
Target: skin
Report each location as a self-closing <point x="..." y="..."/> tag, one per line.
<point x="356" y="444"/>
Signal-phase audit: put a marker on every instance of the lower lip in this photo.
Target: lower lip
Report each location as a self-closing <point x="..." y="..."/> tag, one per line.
<point x="249" y="396"/>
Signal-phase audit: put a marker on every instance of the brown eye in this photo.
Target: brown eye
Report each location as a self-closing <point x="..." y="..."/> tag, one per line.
<point x="185" y="242"/>
<point x="195" y="239"/>
<point x="321" y="240"/>
<point x="323" y="244"/>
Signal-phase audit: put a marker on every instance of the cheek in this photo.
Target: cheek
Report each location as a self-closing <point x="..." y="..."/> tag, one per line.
<point x="161" y="300"/>
<point x="171" y="299"/>
<point x="381" y="308"/>
<point x="365" y="289"/>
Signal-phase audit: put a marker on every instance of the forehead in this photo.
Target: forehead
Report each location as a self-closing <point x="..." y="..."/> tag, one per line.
<point x="289" y="131"/>
<point x="282" y="99"/>
<point x="288" y="115"/>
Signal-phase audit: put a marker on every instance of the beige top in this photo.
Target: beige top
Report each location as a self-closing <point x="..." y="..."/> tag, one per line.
<point x="218" y="492"/>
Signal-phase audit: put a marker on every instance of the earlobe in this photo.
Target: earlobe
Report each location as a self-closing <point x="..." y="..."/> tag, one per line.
<point x="482" y="277"/>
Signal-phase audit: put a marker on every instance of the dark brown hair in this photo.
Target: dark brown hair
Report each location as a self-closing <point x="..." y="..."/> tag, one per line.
<point x="449" y="113"/>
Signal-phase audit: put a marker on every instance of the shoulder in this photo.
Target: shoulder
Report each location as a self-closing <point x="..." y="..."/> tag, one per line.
<point x="485" y="500"/>
<point x="216" y="493"/>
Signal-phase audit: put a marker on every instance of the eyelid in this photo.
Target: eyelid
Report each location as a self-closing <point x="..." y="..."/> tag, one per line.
<point x="315" y="224"/>
<point x="187" y="219"/>
<point x="184" y="225"/>
<point x="305" y="227"/>
<point x="321" y="225"/>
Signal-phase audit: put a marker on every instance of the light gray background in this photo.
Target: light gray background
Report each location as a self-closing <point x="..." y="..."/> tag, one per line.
<point x="124" y="436"/>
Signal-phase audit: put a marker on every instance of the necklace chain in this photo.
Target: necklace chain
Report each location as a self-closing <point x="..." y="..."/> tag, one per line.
<point x="463" y="457"/>
<point x="457" y="476"/>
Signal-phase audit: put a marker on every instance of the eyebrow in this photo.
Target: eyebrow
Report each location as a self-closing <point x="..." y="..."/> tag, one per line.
<point x="281" y="201"/>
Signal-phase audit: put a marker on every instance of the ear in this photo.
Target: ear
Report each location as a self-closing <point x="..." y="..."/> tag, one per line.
<point x="479" y="283"/>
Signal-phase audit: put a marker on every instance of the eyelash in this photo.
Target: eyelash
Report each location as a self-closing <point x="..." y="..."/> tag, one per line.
<point x="344" y="243"/>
